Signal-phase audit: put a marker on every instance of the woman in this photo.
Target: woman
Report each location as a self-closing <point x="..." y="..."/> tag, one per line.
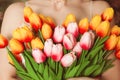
<point x="58" y="9"/>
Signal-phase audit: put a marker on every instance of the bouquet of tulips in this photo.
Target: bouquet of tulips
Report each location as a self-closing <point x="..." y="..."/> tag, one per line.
<point x="42" y="50"/>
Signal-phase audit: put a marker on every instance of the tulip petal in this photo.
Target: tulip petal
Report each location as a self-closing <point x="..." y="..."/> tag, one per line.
<point x="3" y="41"/>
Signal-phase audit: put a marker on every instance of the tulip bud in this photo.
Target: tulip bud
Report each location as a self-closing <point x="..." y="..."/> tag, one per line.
<point x="83" y="25"/>
<point x="3" y="41"/>
<point x="103" y="29"/>
<point x="16" y="46"/>
<point x="73" y="28"/>
<point x="51" y="22"/>
<point x="77" y="49"/>
<point x="86" y="41"/>
<point x="68" y="59"/>
<point x="108" y="14"/>
<point x="38" y="55"/>
<point x="48" y="47"/>
<point x="58" y="31"/>
<point x="69" y="18"/>
<point x="118" y="44"/>
<point x="46" y="31"/>
<point x="117" y="54"/>
<point x="111" y="42"/>
<point x="35" y="21"/>
<point x="115" y="30"/>
<point x="69" y="41"/>
<point x="57" y="52"/>
<point x="95" y="22"/>
<point x="37" y="43"/>
<point x="27" y="13"/>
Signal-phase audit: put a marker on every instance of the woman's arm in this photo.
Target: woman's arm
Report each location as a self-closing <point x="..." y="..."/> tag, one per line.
<point x="13" y="18"/>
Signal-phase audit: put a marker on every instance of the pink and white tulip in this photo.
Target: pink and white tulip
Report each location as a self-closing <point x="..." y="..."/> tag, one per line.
<point x="92" y="36"/>
<point x="38" y="55"/>
<point x="59" y="32"/>
<point x="57" y="52"/>
<point x="86" y="41"/>
<point x="68" y="59"/>
<point x="48" y="47"/>
<point x="77" y="49"/>
<point x="69" y="41"/>
<point x="73" y="28"/>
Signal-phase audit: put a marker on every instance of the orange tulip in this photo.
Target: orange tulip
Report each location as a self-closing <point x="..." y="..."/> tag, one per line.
<point x="3" y="41"/>
<point x="117" y="54"/>
<point x="95" y="22"/>
<point x="69" y="18"/>
<point x="103" y="29"/>
<point x="115" y="30"/>
<point x="46" y="31"/>
<point x="43" y="18"/>
<point x="16" y="46"/>
<point x="27" y="12"/>
<point x="37" y="43"/>
<point x="83" y="25"/>
<point x="118" y="44"/>
<point x="108" y="14"/>
<point x="23" y="34"/>
<point x="111" y="42"/>
<point x="35" y="21"/>
<point x="51" y="22"/>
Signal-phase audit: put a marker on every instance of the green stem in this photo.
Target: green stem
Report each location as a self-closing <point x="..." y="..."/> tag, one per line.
<point x="40" y="35"/>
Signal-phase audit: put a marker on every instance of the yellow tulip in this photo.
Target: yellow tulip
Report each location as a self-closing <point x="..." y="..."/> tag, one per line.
<point x="103" y="29"/>
<point x="46" y="31"/>
<point x="108" y="14"/>
<point x="111" y="42"/>
<point x="83" y="25"/>
<point x="37" y="43"/>
<point x="115" y="30"/>
<point x="96" y="20"/>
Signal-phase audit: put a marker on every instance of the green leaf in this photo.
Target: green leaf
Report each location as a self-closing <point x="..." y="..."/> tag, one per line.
<point x="39" y="75"/>
<point x="41" y="36"/>
<point x="60" y="72"/>
<point x="95" y="59"/>
<point x="16" y="63"/>
<point x="93" y="52"/>
<point x="51" y="63"/>
<point x="41" y="68"/>
<point x="64" y="50"/>
<point x="82" y="67"/>
<point x="34" y="64"/>
<point x="99" y="70"/>
<point x="46" y="74"/>
<point x="96" y="42"/>
<point x="52" y="75"/>
<point x="89" y="70"/>
<point x="30" y="69"/>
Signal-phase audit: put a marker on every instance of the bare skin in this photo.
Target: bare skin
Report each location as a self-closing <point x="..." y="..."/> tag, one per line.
<point x="13" y="18"/>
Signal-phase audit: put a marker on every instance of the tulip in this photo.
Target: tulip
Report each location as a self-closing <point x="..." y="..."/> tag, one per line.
<point x="68" y="59"/>
<point x="51" y="22"/>
<point x="117" y="54"/>
<point x="118" y="44"/>
<point x="46" y="31"/>
<point x="59" y="32"/>
<point x="69" y="41"/>
<point x="86" y="41"/>
<point x="111" y="42"/>
<point x="69" y="18"/>
<point x="38" y="55"/>
<point x="43" y="18"/>
<point x="83" y="25"/>
<point x="73" y="28"/>
<point x="77" y="48"/>
<point x="108" y="14"/>
<point x="57" y="52"/>
<point x="115" y="30"/>
<point x="37" y="43"/>
<point x="103" y="29"/>
<point x="92" y="36"/>
<point x="48" y="47"/>
<point x="95" y="22"/>
<point x="3" y="41"/>
<point x="35" y="21"/>
<point x="16" y="46"/>
<point x="23" y="34"/>
<point x="27" y="13"/>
